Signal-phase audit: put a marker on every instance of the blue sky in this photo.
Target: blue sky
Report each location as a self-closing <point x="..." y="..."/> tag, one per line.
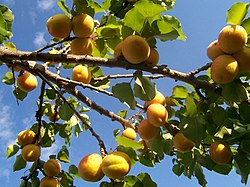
<point x="201" y="21"/>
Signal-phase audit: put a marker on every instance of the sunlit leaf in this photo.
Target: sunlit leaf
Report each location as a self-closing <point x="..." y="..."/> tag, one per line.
<point x="146" y="180"/>
<point x="126" y="142"/>
<point x="8" y="78"/>
<point x="180" y="92"/>
<point x="63" y="155"/>
<point x="63" y="6"/>
<point x="237" y="13"/>
<point x="11" y="150"/>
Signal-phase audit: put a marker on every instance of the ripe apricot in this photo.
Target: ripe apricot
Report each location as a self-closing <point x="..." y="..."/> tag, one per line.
<point x="26" y="137"/>
<point x="52" y="167"/>
<point x="243" y="59"/>
<point x="146" y="130"/>
<point x="82" y="25"/>
<point x="224" y="69"/>
<point x="54" y="116"/>
<point x="59" y="26"/>
<point x="90" y="168"/>
<point x="27" y="82"/>
<point x="81" y="73"/>
<point x="81" y="46"/>
<point x="129" y="133"/>
<point x="31" y="152"/>
<point x="49" y="182"/>
<point x="232" y="38"/>
<point x="220" y="152"/>
<point x="135" y="49"/>
<point x="153" y="58"/>
<point x="157" y="114"/>
<point x="214" y="50"/>
<point x="118" y="49"/>
<point x="159" y="98"/>
<point x="116" y="165"/>
<point x="182" y="143"/>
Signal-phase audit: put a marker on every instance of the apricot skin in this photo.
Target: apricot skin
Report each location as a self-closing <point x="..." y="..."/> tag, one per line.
<point x="52" y="167"/>
<point x="82" y="25"/>
<point x="214" y="50"/>
<point x="153" y="58"/>
<point x="81" y="46"/>
<point x="31" y="152"/>
<point x="129" y="133"/>
<point x="26" y="137"/>
<point x="49" y="182"/>
<point x="243" y="59"/>
<point x="220" y="152"/>
<point x="147" y="131"/>
<point x="159" y="98"/>
<point x="157" y="114"/>
<point x="118" y="49"/>
<point x="182" y="143"/>
<point x="27" y="82"/>
<point x="81" y="73"/>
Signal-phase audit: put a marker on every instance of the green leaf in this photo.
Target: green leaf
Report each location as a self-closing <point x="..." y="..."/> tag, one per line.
<point x="74" y="171"/>
<point x="132" y="181"/>
<point x="50" y="93"/>
<point x="123" y="113"/>
<point x="8" y="78"/>
<point x="180" y="92"/>
<point x="63" y="155"/>
<point x="19" y="164"/>
<point x="134" y="19"/>
<point x="126" y="142"/>
<point x="199" y="174"/>
<point x="178" y="169"/>
<point x="66" y="179"/>
<point x="20" y="95"/>
<point x="65" y="112"/>
<point x="124" y="93"/>
<point x="246" y="25"/>
<point x="9" y="45"/>
<point x="219" y="115"/>
<point x="237" y="13"/>
<point x="146" y="180"/>
<point x="191" y="108"/>
<point x="63" y="6"/>
<point x="242" y="165"/>
<point x="47" y="135"/>
<point x="144" y="88"/>
<point x="11" y="150"/>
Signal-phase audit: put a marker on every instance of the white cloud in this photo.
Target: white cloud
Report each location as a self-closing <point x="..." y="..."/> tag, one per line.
<point x="33" y="17"/>
<point x="5" y="173"/>
<point x="9" y="2"/>
<point x="46" y="152"/>
<point x="46" y="4"/>
<point x="39" y="40"/>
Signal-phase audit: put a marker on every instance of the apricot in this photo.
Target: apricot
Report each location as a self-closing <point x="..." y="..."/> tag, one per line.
<point x="153" y="58"/>
<point x="90" y="168"/>
<point x="224" y="69"/>
<point x="214" y="50"/>
<point x="54" y="116"/>
<point x="129" y="133"/>
<point x="116" y="165"/>
<point x="118" y="49"/>
<point x="159" y="98"/>
<point x="81" y="46"/>
<point x="59" y="26"/>
<point x="243" y="59"/>
<point x="182" y="143"/>
<point x="157" y="114"/>
<point x="169" y="101"/>
<point x="82" y="25"/>
<point x="15" y="68"/>
<point x="26" y="137"/>
<point x="49" y="182"/>
<point x="145" y="144"/>
<point x="135" y="49"/>
<point x="81" y="73"/>
<point x="27" y="82"/>
<point x="232" y="38"/>
<point x="52" y="167"/>
<point x="146" y="130"/>
<point x="31" y="152"/>
<point x="220" y="152"/>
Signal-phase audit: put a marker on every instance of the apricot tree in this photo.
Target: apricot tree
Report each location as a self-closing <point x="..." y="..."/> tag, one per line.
<point x="209" y="114"/>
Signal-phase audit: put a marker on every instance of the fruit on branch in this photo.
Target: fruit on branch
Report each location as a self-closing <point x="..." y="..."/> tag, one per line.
<point x="135" y="49"/>
<point x="145" y="143"/>
<point x="129" y="133"/>
<point x="82" y="25"/>
<point x="153" y="58"/>
<point x="169" y="101"/>
<point x="146" y="130"/>
<point x="53" y="116"/>
<point x="220" y="152"/>
<point x="59" y="26"/>
<point x="27" y="82"/>
<point x="224" y="69"/>
<point x="116" y="165"/>
<point x="31" y="152"/>
<point x="182" y="143"/>
<point x="157" y="114"/>
<point x="81" y="73"/>
<point x="159" y="98"/>
<point x="26" y="137"/>
<point x="49" y="182"/>
<point x="90" y="168"/>
<point x="243" y="59"/>
<point x="232" y="38"/>
<point x="16" y="68"/>
<point x="214" y="50"/>
<point x="52" y="167"/>
<point x="118" y="49"/>
<point x="81" y="46"/>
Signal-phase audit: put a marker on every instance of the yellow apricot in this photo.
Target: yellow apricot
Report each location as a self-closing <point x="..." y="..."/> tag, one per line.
<point x="49" y="182"/>
<point x="52" y="167"/>
<point x="81" y="73"/>
<point x="59" y="26"/>
<point x="243" y="59"/>
<point x="159" y="98"/>
<point x="232" y="38"/>
<point x="224" y="69"/>
<point x="182" y="143"/>
<point x="220" y="152"/>
<point x="146" y="130"/>
<point x="135" y="49"/>
<point x="31" y="152"/>
<point x="153" y="58"/>
<point x="81" y="46"/>
<point x="129" y="133"/>
<point x="157" y="114"/>
<point x="26" y="137"/>
<point x="54" y="116"/>
<point x="90" y="168"/>
<point x="116" y="165"/>
<point x="118" y="49"/>
<point x="27" y="82"/>
<point x="214" y="50"/>
<point x="83" y="25"/>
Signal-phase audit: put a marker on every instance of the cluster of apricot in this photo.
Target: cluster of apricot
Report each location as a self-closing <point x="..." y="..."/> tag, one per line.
<point x="229" y="53"/>
<point x="60" y="26"/>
